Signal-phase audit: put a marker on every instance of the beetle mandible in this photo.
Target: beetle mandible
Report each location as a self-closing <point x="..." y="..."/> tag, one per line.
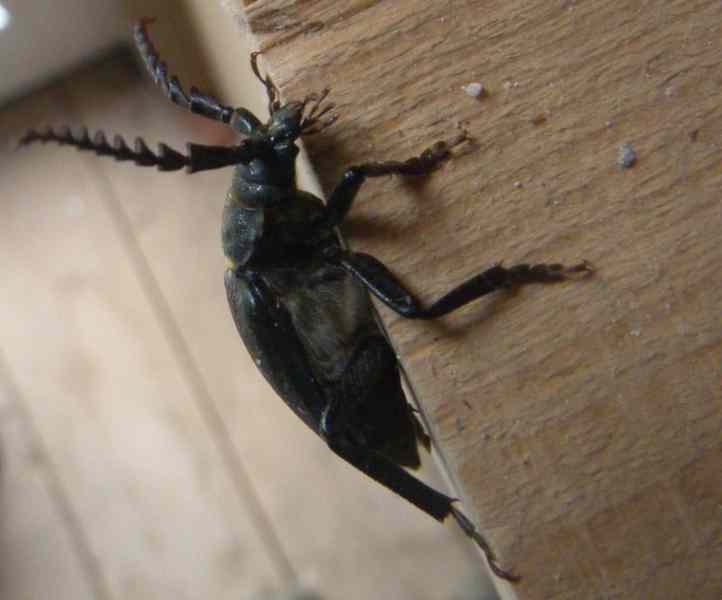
<point x="299" y="299"/>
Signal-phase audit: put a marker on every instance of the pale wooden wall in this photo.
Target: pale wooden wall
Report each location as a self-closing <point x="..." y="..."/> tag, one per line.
<point x="581" y="421"/>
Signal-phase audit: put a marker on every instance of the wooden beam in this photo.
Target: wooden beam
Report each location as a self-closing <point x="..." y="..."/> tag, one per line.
<point x="581" y="421"/>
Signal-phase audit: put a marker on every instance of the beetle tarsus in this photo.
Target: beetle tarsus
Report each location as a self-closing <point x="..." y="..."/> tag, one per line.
<point x="344" y="194"/>
<point x="312" y="122"/>
<point x="420" y="165"/>
<point x="580" y="270"/>
<point x="470" y="530"/>
<point x="542" y="273"/>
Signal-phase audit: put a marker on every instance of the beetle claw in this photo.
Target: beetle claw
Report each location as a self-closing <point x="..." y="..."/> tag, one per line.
<point x="579" y="271"/>
<point x="312" y="122"/>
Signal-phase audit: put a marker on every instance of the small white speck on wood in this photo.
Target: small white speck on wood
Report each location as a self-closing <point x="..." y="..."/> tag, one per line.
<point x="475" y="89"/>
<point x="627" y="156"/>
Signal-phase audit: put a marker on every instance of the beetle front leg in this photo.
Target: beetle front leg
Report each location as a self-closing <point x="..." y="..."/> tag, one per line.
<point x="434" y="503"/>
<point x="386" y="287"/>
<point x="342" y="197"/>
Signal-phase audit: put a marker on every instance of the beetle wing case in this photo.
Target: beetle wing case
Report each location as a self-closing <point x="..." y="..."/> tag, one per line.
<point x="313" y="335"/>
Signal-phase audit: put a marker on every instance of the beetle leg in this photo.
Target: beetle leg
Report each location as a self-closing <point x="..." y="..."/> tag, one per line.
<point x="386" y="287"/>
<point x="434" y="503"/>
<point x="342" y="197"/>
<point x="423" y="438"/>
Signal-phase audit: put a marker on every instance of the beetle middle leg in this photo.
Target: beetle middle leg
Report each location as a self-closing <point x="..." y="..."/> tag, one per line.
<point x="383" y="284"/>
<point x="342" y="197"/>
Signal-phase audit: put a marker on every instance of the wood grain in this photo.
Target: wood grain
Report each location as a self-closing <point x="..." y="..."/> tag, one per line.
<point x="582" y="421"/>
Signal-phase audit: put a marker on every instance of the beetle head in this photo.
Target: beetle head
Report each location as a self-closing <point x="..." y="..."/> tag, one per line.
<point x="289" y="121"/>
<point x="284" y="126"/>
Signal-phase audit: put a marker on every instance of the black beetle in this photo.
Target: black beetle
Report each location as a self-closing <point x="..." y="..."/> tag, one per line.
<point x="298" y="297"/>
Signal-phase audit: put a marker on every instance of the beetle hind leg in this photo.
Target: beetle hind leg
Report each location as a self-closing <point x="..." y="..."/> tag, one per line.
<point x="422" y="437"/>
<point x="468" y="528"/>
<point x="434" y="503"/>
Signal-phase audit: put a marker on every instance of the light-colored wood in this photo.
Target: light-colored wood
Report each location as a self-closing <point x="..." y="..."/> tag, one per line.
<point x="149" y="504"/>
<point x="35" y="537"/>
<point x="581" y="420"/>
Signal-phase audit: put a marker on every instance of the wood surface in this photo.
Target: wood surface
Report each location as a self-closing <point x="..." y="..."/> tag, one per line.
<point x="581" y="421"/>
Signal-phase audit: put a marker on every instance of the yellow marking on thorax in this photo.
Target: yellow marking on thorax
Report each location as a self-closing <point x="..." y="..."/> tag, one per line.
<point x="231" y="198"/>
<point x="230" y="263"/>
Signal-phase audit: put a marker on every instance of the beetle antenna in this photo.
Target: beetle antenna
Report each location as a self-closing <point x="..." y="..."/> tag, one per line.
<point x="199" y="158"/>
<point x="167" y="159"/>
<point x="274" y="102"/>
<point x="196" y="101"/>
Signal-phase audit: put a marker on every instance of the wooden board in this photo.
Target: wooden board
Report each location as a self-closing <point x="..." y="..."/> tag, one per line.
<point x="581" y="421"/>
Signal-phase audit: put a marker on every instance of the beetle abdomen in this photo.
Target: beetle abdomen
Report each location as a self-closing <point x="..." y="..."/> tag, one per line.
<point x="313" y="335"/>
<point x="331" y="313"/>
<point x="370" y="407"/>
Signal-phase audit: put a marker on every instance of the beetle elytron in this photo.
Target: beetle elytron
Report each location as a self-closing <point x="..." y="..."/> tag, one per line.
<point x="299" y="299"/>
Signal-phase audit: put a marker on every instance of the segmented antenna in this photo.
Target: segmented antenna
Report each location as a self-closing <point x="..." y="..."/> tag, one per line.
<point x="200" y="157"/>
<point x="167" y="159"/>
<point x="197" y="101"/>
<point x="274" y="96"/>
